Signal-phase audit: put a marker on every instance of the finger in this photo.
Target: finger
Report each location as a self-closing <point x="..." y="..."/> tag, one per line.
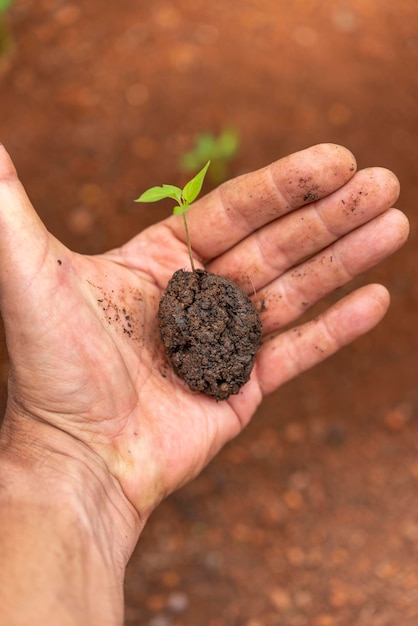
<point x="240" y="206"/>
<point x="270" y="251"/>
<point x="298" y="349"/>
<point x="24" y="240"/>
<point x="286" y="298"/>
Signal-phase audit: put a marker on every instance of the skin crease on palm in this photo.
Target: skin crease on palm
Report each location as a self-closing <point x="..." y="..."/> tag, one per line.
<point x="87" y="369"/>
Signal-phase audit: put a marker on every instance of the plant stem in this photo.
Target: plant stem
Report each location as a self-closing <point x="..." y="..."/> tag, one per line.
<point x="189" y="247"/>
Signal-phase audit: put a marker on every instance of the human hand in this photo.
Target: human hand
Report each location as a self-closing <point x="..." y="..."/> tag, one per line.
<point x="85" y="354"/>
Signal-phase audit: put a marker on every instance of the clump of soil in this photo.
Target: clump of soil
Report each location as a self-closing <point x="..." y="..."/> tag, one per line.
<point x="211" y="332"/>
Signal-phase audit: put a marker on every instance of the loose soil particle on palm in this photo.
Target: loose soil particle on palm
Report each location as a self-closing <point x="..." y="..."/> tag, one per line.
<point x="85" y="137"/>
<point x="211" y="332"/>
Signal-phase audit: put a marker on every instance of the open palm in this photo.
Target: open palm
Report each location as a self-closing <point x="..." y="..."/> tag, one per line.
<point x="82" y="331"/>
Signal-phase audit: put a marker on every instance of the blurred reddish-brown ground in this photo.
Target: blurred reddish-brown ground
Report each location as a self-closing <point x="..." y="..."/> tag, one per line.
<point x="309" y="518"/>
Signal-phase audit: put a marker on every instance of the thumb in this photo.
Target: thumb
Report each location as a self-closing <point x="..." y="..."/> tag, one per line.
<point x="24" y="240"/>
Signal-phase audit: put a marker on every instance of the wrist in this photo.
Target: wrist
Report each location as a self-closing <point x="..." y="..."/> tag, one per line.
<point x="66" y="529"/>
<point x="41" y="465"/>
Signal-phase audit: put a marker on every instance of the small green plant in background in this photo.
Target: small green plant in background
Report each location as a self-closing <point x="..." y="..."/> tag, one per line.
<point x="6" y="39"/>
<point x="220" y="151"/>
<point x="4" y="5"/>
<point x="184" y="198"/>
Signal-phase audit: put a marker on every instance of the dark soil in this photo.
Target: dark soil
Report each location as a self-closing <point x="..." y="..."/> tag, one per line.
<point x="211" y="332"/>
<point x="309" y="517"/>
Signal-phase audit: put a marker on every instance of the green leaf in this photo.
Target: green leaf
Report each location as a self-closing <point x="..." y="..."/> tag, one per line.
<point x="159" y="193"/>
<point x="192" y="189"/>
<point x="175" y="191"/>
<point x="180" y="209"/>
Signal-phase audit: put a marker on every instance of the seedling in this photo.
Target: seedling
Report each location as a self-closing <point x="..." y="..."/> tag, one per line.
<point x="219" y="150"/>
<point x="184" y="198"/>
<point x="210" y="357"/>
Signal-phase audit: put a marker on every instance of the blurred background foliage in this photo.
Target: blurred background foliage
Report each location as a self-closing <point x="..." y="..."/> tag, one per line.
<point x="306" y="519"/>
